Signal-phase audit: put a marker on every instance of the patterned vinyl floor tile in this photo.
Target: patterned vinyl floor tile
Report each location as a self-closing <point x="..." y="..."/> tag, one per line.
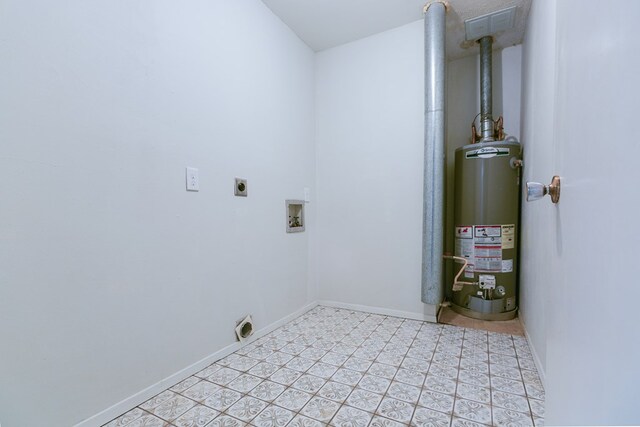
<point x="344" y="368"/>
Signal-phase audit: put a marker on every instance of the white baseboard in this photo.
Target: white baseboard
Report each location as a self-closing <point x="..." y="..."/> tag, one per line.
<point x="380" y="310"/>
<point x="144" y="395"/>
<point x="536" y="357"/>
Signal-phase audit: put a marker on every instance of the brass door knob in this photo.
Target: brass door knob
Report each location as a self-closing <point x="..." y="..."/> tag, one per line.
<point x="536" y="190"/>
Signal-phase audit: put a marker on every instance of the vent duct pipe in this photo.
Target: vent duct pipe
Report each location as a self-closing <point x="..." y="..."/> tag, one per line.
<point x="433" y="189"/>
<point x="486" y="100"/>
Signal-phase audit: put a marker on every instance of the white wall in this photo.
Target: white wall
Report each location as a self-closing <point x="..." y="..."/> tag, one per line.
<point x="370" y="106"/>
<point x="112" y="276"/>
<point x="581" y="252"/>
<point x="511" y="85"/>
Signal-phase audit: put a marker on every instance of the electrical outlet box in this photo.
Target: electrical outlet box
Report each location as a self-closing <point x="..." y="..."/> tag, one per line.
<point x="240" y="188"/>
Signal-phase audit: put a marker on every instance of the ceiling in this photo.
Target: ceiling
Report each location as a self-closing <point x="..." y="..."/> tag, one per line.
<point x="323" y="24"/>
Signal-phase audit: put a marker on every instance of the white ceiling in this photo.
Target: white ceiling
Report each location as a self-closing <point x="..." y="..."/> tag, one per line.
<point x="323" y="24"/>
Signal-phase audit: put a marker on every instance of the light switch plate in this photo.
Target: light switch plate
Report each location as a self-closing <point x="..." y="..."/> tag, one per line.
<point x="193" y="182"/>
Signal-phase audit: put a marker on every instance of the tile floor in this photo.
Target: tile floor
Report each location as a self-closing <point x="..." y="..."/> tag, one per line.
<point x="354" y="369"/>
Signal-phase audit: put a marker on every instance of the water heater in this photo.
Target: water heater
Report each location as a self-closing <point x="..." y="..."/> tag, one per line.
<point x="486" y="218"/>
<point x="486" y="213"/>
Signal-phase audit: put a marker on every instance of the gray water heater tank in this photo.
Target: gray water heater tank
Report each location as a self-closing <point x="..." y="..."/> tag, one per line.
<point x="486" y="218"/>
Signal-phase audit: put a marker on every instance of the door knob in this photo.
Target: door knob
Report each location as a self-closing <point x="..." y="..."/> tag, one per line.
<point x="536" y="190"/>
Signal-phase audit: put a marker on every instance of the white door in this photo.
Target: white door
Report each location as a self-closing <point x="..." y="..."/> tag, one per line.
<point x="593" y="312"/>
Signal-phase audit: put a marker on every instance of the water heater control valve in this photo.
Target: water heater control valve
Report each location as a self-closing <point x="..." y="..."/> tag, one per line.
<point x="487" y="281"/>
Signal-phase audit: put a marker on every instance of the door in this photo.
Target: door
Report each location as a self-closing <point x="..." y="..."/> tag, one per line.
<point x="592" y="320"/>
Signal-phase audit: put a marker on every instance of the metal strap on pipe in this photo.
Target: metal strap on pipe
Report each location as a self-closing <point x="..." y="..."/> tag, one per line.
<point x="433" y="209"/>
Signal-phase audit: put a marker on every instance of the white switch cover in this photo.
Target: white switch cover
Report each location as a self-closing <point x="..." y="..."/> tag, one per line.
<point x="193" y="183"/>
<point x="307" y="194"/>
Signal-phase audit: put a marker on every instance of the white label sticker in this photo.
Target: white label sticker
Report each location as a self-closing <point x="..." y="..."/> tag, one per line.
<point x="468" y="272"/>
<point x="507" y="265"/>
<point x="508" y="236"/>
<point x="464" y="248"/>
<point x="465" y="232"/>
<point x="488" y="230"/>
<point x="487" y="248"/>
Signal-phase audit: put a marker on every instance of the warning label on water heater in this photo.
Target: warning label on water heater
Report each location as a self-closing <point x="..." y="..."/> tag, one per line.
<point x="487" y="248"/>
<point x="464" y="248"/>
<point x="508" y="236"/>
<point x="465" y="232"/>
<point x="482" y="245"/>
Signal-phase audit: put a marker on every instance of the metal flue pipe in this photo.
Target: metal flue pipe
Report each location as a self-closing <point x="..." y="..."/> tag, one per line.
<point x="486" y="99"/>
<point x="433" y="190"/>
